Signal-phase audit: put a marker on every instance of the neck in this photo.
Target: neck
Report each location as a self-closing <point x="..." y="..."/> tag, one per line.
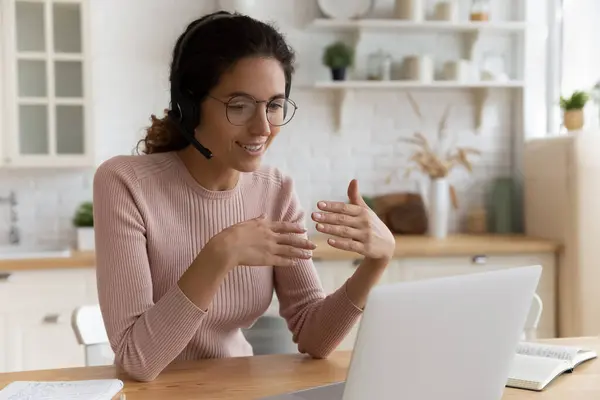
<point x="210" y="174"/>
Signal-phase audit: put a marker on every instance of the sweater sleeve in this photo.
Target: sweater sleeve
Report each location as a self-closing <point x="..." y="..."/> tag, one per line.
<point x="145" y="335"/>
<point x="318" y="322"/>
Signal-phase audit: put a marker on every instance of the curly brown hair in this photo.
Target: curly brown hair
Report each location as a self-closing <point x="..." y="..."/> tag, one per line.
<point x="211" y="50"/>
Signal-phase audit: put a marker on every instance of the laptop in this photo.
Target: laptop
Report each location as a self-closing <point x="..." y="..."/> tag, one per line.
<point x="451" y="338"/>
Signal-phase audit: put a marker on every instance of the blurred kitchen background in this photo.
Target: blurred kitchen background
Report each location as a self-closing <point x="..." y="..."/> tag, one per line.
<point x="375" y="81"/>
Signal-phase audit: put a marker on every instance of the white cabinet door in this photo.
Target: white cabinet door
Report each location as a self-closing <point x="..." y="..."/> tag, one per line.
<point x="35" y="317"/>
<point x="4" y="343"/>
<point x="431" y="267"/>
<point x="46" y="118"/>
<point x="43" y="340"/>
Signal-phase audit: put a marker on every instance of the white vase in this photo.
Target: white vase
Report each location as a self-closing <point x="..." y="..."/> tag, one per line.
<point x="86" y="239"/>
<point x="247" y="7"/>
<point x="439" y="207"/>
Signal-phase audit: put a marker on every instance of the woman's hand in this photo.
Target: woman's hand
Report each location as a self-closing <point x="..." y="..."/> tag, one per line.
<point x="260" y="242"/>
<point x="356" y="227"/>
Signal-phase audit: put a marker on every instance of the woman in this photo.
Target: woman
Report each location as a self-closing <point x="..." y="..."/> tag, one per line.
<point x="193" y="236"/>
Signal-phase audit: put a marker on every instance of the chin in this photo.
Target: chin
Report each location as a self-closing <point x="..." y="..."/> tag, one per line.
<point x="248" y="166"/>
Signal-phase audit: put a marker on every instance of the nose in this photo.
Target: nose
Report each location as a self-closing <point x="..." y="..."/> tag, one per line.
<point x="259" y="124"/>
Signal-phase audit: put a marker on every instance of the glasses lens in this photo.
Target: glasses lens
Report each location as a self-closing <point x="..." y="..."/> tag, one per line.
<point x="240" y="110"/>
<point x="280" y="111"/>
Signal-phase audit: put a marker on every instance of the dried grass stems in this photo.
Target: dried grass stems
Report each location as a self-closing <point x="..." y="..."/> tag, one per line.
<point x="436" y="162"/>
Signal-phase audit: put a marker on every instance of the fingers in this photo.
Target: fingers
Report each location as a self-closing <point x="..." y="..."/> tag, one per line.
<point x="287" y="227"/>
<point x="347" y="244"/>
<point x="278" y="261"/>
<point x="296" y="241"/>
<point x="343" y="231"/>
<point x="285" y="250"/>
<point x="340" y="219"/>
<point x="339" y="207"/>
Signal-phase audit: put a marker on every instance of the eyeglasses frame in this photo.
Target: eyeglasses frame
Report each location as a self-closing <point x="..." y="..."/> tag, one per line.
<point x="267" y="102"/>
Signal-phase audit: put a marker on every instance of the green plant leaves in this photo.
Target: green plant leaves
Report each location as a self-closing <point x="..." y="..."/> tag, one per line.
<point x="84" y="215"/>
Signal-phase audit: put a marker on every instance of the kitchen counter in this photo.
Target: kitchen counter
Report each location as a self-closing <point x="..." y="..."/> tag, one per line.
<point x="454" y="245"/>
<point x="255" y="377"/>
<point x="77" y="259"/>
<point x="406" y="246"/>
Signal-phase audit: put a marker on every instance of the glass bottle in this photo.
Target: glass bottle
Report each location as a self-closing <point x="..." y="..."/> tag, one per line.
<point x="374" y="64"/>
<point x="480" y="10"/>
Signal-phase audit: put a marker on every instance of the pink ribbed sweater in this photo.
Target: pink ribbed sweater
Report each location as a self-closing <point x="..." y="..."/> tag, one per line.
<point x="151" y="220"/>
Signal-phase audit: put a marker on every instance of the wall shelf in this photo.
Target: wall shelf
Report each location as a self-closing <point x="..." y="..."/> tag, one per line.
<point x="424" y="26"/>
<point x="406" y="84"/>
<point x="343" y="91"/>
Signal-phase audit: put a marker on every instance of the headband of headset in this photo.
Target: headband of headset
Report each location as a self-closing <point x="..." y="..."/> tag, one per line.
<point x="188" y="113"/>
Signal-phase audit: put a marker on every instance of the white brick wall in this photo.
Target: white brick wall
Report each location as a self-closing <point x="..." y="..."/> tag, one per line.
<point x="131" y="46"/>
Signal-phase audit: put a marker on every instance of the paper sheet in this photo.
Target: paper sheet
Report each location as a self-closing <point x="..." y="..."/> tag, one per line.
<point x="98" y="389"/>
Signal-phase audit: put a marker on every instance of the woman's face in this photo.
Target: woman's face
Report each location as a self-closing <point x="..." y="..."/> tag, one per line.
<point x="239" y="137"/>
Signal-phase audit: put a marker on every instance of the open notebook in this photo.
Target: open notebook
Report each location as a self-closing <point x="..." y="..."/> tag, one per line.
<point x="97" y="389"/>
<point x="536" y="365"/>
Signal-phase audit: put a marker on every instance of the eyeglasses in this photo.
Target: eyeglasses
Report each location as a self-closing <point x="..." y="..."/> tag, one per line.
<point x="241" y="109"/>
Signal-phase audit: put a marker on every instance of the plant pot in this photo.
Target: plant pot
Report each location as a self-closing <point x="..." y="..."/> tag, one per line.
<point x="573" y="120"/>
<point x="338" y="74"/>
<point x="86" y="239"/>
<point x="439" y="208"/>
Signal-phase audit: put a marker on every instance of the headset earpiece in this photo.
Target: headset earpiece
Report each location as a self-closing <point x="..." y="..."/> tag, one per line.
<point x="183" y="105"/>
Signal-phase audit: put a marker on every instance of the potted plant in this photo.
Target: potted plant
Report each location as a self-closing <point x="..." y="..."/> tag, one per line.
<point x="573" y="109"/>
<point x="338" y="57"/>
<point x="84" y="223"/>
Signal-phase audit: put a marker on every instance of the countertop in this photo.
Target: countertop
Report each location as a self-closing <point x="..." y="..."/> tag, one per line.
<point x="406" y="246"/>
<point x="255" y="377"/>
<point x="454" y="245"/>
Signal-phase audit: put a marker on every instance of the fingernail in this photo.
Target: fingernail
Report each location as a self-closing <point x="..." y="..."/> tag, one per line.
<point x="322" y="204"/>
<point x="331" y="241"/>
<point x="307" y="253"/>
<point x="318" y="215"/>
<point x="320" y="226"/>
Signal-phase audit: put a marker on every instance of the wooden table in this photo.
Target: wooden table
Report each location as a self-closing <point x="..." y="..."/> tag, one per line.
<point x="254" y="377"/>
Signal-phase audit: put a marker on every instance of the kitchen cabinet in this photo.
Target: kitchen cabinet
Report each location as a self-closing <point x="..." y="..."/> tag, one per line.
<point x="35" y="317"/>
<point x="334" y="273"/>
<point x="36" y="305"/>
<point x="46" y="84"/>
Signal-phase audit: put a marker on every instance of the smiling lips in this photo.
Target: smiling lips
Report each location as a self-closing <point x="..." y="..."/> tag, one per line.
<point x="252" y="148"/>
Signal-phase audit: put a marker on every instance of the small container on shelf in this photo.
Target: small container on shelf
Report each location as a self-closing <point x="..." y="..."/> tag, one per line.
<point x="480" y="10"/>
<point x="379" y="65"/>
<point x="445" y="11"/>
<point x="419" y="68"/>
<point x="411" y="10"/>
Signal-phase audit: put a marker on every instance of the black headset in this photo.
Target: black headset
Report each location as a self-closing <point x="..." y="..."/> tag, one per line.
<point x="184" y="108"/>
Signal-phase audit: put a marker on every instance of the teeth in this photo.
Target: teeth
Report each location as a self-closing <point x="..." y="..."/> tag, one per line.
<point x="254" y="147"/>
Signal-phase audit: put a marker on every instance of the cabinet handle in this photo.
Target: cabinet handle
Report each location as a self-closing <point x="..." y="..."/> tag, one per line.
<point x="479" y="259"/>
<point x="51" y="318"/>
<point x="4" y="276"/>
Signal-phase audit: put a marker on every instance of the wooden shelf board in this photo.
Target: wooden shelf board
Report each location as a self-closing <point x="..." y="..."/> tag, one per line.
<point x="396" y="24"/>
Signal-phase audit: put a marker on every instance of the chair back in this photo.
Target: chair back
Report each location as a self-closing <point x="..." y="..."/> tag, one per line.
<point x="90" y="332"/>
<point x="533" y="319"/>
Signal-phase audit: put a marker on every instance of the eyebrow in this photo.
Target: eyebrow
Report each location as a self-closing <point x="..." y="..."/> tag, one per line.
<point x="276" y="96"/>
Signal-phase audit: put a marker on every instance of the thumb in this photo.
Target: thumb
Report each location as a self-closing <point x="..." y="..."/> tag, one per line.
<point x="354" y="195"/>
